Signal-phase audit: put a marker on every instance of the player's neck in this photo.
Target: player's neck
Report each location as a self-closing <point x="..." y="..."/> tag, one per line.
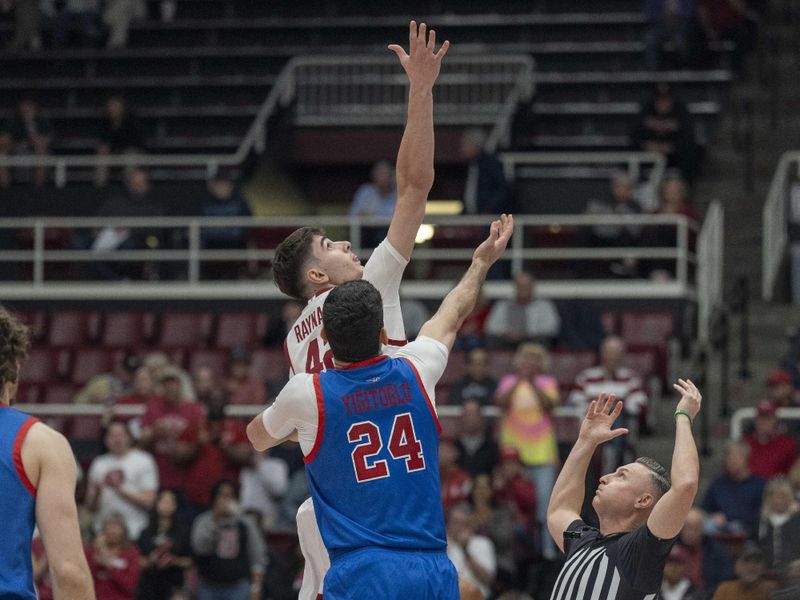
<point x="610" y="525"/>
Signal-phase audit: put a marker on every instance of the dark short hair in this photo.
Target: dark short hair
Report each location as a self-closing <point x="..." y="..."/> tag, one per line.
<point x="290" y="258"/>
<point x="217" y="488"/>
<point x="14" y="343"/>
<point x="353" y="319"/>
<point x="658" y="475"/>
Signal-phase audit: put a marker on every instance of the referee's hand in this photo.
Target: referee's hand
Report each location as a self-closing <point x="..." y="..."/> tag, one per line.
<point x="690" y="397"/>
<point x="596" y="427"/>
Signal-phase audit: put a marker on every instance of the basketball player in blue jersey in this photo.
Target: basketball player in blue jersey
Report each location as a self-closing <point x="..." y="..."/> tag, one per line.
<point x="37" y="479"/>
<point x="369" y="432"/>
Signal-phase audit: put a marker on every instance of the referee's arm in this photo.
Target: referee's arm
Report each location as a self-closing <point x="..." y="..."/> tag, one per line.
<point x="669" y="513"/>
<point x="567" y="496"/>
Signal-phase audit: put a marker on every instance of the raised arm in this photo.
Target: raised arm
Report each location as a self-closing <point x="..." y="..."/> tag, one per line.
<point x="567" y="496"/>
<point x="669" y="513"/>
<point x="458" y="304"/>
<point x="415" y="157"/>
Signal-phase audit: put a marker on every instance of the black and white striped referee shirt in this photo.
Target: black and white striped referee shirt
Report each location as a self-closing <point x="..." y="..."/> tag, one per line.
<point x="622" y="566"/>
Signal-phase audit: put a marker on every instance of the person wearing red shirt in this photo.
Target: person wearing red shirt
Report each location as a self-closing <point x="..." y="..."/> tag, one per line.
<point x="514" y="490"/>
<point x="772" y="452"/>
<point x="165" y="420"/>
<point x="455" y="481"/>
<point x="222" y="449"/>
<point x="113" y="561"/>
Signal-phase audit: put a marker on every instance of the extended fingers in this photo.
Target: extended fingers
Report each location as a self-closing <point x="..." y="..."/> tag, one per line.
<point x="412" y="33"/>
<point x="443" y="50"/>
<point x="431" y="40"/>
<point x="422" y="36"/>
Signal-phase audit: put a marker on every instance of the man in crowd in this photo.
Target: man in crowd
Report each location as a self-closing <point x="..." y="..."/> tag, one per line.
<point x="477" y="384"/>
<point x="772" y="450"/>
<point x="526" y="317"/>
<point x="477" y="450"/>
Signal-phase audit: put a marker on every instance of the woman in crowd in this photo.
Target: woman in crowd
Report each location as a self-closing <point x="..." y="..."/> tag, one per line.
<point x="495" y="521"/>
<point x="114" y="561"/>
<point x="779" y="527"/>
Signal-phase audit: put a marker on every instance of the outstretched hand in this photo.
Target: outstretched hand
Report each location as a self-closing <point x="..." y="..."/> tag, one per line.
<point x="421" y="63"/>
<point x="596" y="427"/>
<point x="690" y="397"/>
<point x="493" y="247"/>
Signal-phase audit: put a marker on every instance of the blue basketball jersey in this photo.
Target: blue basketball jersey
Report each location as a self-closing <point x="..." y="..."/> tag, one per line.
<point x="374" y="469"/>
<point x="17" y="504"/>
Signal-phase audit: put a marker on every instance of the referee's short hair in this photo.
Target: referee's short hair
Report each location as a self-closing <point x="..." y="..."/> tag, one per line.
<point x="658" y="475"/>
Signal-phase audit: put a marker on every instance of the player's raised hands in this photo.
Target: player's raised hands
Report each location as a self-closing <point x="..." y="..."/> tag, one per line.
<point x="421" y="63"/>
<point x="600" y="417"/>
<point x="493" y="247"/>
<point x="690" y="396"/>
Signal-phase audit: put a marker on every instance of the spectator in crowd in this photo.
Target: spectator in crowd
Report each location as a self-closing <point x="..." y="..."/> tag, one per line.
<point x="611" y="377"/>
<point x="164" y="546"/>
<point x="264" y="483"/>
<point x="494" y="521"/>
<point x="527" y="398"/>
<point x="486" y="191"/>
<point x="473" y="329"/>
<point x="526" y="317"/>
<point x="376" y="199"/>
<point x="224" y="199"/>
<point x="296" y="494"/>
<point x="228" y="549"/>
<point x="219" y="449"/>
<point x="106" y="388"/>
<point x="27" y="26"/>
<point x="514" y="491"/>
<point x="142" y="391"/>
<point x="790" y="587"/>
<point x="794" y="479"/>
<point x="733" y="500"/>
<point x="772" y="450"/>
<point x="670" y="22"/>
<point x="120" y="133"/>
<point x="113" y="561"/>
<point x="77" y="20"/>
<point x="118" y="16"/>
<point x="27" y="133"/>
<point x="123" y="482"/>
<point x="780" y="389"/>
<point x="728" y="20"/>
<point x="665" y="126"/>
<point x="158" y="363"/>
<point x="477" y="384"/>
<point x="455" y="482"/>
<point x="675" y="584"/>
<point x="278" y="327"/>
<point x="168" y="419"/>
<point x="473" y="555"/>
<point x="750" y="583"/>
<point x="205" y="387"/>
<point x="242" y="387"/>
<point x="708" y="561"/>
<point x="779" y="528"/>
<point x="477" y="451"/>
<point x="623" y="202"/>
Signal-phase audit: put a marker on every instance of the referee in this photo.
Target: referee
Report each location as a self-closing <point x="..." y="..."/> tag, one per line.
<point x="640" y="513"/>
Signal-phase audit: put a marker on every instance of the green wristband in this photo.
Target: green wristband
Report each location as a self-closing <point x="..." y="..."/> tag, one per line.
<point x="684" y="412"/>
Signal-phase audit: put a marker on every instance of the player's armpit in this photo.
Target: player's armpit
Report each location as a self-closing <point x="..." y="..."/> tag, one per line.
<point x="669" y="514"/>
<point x="558" y="520"/>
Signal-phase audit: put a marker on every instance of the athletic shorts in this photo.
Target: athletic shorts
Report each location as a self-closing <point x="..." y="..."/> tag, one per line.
<point x="386" y="574"/>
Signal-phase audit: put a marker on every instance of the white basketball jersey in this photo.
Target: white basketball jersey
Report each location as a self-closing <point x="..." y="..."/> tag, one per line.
<point x="305" y="349"/>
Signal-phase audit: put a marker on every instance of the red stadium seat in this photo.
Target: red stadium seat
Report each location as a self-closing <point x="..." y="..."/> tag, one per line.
<point x="644" y="362"/>
<point x="567" y="365"/>
<point x="269" y="365"/>
<point x="648" y="328"/>
<point x="73" y="328"/>
<point x="59" y="394"/>
<point x="39" y="367"/>
<point x="29" y="393"/>
<point x="216" y="360"/>
<point x="185" y="329"/>
<point x="37" y="324"/>
<point x="90" y="362"/>
<point x="85" y="427"/>
<point x="240" y="329"/>
<point x="127" y="330"/>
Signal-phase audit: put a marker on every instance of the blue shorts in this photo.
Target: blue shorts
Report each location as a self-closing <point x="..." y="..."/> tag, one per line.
<point x="391" y="574"/>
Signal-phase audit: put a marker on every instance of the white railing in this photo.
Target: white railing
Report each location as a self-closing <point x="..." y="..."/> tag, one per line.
<point x="367" y="90"/>
<point x="39" y="286"/>
<point x="345" y="90"/>
<point x="711" y="268"/>
<point x="775" y="235"/>
<point x="580" y="165"/>
<point x="748" y="414"/>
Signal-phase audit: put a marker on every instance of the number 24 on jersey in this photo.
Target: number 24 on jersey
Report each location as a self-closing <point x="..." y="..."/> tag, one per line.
<point x="403" y="445"/>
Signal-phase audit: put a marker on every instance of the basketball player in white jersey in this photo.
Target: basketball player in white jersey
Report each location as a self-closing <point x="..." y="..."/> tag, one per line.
<point x="307" y="265"/>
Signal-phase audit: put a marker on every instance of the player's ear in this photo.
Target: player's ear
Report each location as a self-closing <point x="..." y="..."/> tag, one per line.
<point x="323" y="334"/>
<point x="384" y="339"/>
<point x="316" y="276"/>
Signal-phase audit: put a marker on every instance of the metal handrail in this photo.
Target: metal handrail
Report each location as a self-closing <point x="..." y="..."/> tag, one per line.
<point x="711" y="268"/>
<point x="775" y="235"/>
